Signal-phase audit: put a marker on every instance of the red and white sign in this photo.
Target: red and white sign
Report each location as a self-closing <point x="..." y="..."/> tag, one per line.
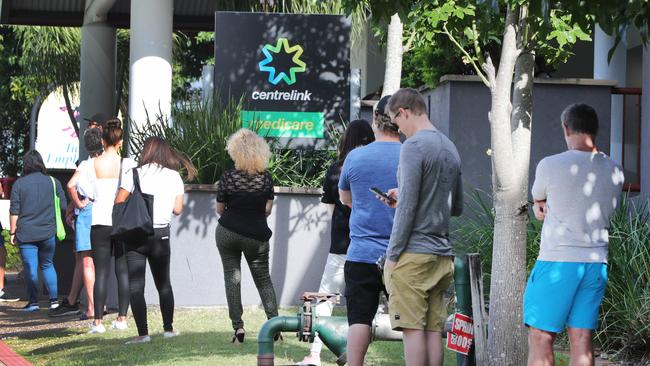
<point x="462" y="334"/>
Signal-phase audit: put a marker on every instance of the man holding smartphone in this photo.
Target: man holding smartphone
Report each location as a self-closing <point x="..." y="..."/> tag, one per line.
<point x="372" y="165"/>
<point x="419" y="266"/>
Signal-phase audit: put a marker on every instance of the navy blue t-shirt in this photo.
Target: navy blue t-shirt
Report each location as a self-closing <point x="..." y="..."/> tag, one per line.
<point x="32" y="200"/>
<point x="371" y="222"/>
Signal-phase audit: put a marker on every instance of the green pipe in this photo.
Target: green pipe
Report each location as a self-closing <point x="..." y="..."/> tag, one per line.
<point x="265" y="338"/>
<point x="462" y="286"/>
<point x="333" y="331"/>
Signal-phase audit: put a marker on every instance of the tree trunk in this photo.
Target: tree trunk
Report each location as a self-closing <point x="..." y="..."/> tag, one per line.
<point x="394" y="51"/>
<point x="507" y="341"/>
<point x="68" y="106"/>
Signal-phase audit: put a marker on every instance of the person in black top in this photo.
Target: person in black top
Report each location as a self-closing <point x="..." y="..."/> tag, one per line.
<point x="244" y="201"/>
<point x="358" y="133"/>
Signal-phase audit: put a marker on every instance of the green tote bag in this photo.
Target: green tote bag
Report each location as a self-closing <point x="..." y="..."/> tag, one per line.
<point x="60" y="229"/>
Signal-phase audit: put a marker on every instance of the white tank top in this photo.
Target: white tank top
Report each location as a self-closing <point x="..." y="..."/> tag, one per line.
<point x="104" y="191"/>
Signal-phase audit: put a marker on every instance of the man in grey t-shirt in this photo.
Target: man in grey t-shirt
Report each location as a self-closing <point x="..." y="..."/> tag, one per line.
<point x="419" y="264"/>
<point x="575" y="192"/>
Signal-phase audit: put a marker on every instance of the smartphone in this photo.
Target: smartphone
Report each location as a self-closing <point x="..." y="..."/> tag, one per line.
<point x="381" y="193"/>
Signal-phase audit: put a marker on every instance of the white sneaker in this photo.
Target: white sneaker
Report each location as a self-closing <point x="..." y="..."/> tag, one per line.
<point x="95" y="329"/>
<point x="171" y="334"/>
<point x="138" y="340"/>
<point x="119" y="325"/>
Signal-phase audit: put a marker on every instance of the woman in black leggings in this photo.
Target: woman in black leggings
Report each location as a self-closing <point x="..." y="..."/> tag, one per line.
<point x="101" y="180"/>
<point x="158" y="175"/>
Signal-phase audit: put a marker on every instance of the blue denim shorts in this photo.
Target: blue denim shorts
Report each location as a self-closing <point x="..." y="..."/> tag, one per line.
<point x="564" y="294"/>
<point x="82" y="229"/>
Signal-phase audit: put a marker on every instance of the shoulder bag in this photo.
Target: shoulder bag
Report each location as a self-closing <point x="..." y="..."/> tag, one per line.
<point x="60" y="229"/>
<point x="134" y="216"/>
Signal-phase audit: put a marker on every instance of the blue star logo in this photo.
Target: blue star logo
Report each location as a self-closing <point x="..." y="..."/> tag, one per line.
<point x="274" y="76"/>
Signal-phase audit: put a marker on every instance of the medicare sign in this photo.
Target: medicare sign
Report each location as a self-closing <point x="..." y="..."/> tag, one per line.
<point x="292" y="72"/>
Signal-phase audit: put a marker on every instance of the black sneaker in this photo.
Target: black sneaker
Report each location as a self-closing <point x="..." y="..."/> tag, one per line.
<point x="6" y="297"/>
<point x="64" y="309"/>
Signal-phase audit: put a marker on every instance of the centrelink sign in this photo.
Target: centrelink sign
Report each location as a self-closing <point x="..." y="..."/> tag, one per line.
<point x="292" y="71"/>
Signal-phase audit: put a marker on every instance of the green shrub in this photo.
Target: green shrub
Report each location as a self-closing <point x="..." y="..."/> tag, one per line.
<point x="14" y="262"/>
<point x="199" y="130"/>
<point x="299" y="168"/>
<point x="625" y="320"/>
<point x="625" y="314"/>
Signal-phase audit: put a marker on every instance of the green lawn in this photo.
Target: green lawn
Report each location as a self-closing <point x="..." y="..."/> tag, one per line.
<point x="205" y="340"/>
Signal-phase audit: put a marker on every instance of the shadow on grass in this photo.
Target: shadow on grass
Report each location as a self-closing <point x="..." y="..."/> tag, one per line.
<point x="97" y="350"/>
<point x="42" y="333"/>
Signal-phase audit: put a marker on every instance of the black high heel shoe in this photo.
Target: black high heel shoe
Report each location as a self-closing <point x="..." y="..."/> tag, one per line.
<point x="238" y="336"/>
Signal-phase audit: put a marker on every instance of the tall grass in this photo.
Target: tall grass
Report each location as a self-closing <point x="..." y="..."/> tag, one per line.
<point x="625" y="320"/>
<point x="198" y="129"/>
<point x="625" y="314"/>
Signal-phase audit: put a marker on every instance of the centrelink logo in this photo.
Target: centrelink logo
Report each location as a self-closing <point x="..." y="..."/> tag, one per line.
<point x="274" y="76"/>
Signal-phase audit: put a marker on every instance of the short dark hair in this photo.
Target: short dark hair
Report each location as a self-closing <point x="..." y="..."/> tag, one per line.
<point x="580" y="118"/>
<point x="408" y="98"/>
<point x="33" y="162"/>
<point x="357" y="133"/>
<point x="93" y="141"/>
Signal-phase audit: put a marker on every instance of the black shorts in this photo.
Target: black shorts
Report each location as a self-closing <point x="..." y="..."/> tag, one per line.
<point x="363" y="284"/>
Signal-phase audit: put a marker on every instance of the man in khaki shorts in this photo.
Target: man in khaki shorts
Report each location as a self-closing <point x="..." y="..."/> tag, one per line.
<point x="419" y="265"/>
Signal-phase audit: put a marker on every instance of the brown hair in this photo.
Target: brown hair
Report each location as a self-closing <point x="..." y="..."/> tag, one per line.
<point x="408" y="98"/>
<point x="112" y="132"/>
<point x="157" y="151"/>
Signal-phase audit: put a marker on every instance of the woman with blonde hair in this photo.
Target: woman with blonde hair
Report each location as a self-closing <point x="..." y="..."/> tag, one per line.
<point x="244" y="201"/>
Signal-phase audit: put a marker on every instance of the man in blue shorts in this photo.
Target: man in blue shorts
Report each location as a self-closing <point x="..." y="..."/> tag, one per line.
<point x="575" y="193"/>
<point x="373" y="165"/>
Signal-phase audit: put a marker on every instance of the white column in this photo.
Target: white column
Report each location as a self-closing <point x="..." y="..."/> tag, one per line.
<point x="645" y="127"/>
<point x="150" y="82"/>
<point x="614" y="70"/>
<point x="97" y="87"/>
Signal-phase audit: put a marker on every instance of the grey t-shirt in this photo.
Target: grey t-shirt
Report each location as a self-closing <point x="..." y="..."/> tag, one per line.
<point x="582" y="191"/>
<point x="430" y="191"/>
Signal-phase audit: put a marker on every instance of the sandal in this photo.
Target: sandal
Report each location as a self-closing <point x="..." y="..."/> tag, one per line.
<point x="238" y="336"/>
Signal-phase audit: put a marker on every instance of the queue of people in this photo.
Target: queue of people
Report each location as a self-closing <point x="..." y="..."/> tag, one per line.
<point x="390" y="204"/>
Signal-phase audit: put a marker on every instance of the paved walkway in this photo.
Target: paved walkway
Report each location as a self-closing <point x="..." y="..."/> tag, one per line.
<point x="16" y="324"/>
<point x="10" y="358"/>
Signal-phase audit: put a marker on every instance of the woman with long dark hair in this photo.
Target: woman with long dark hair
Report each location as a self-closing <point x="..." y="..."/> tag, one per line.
<point x="33" y="226"/>
<point x="358" y="133"/>
<point x="101" y="184"/>
<point x="244" y="201"/>
<point x="158" y="172"/>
